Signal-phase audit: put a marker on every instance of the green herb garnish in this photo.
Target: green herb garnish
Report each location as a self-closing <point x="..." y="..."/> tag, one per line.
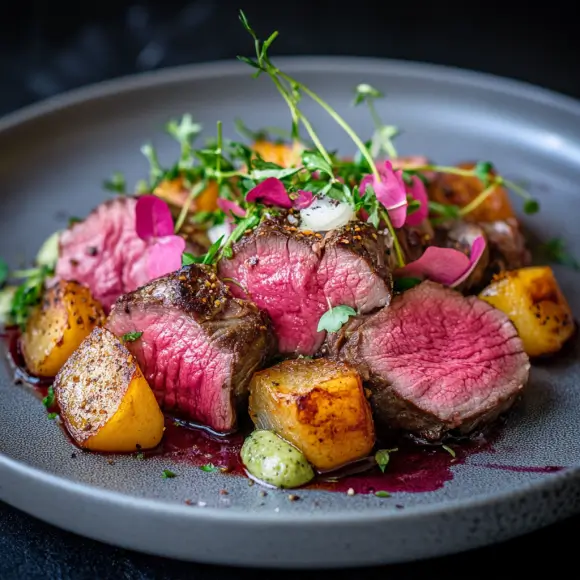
<point x="131" y="336"/>
<point x="382" y="457"/>
<point x="333" y="319"/>
<point x="28" y="294"/>
<point x="48" y="401"/>
<point x="116" y="183"/>
<point x="555" y="251"/>
<point x="140" y="455"/>
<point x="167" y="474"/>
<point x="382" y="494"/>
<point x="402" y="284"/>
<point x="3" y="272"/>
<point x="52" y="416"/>
<point x="209" y="468"/>
<point x="449" y="450"/>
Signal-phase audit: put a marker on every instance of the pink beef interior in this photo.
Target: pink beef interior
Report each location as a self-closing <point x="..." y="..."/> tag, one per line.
<point x="104" y="252"/>
<point x="450" y="356"/>
<point x="185" y="370"/>
<point x="291" y="283"/>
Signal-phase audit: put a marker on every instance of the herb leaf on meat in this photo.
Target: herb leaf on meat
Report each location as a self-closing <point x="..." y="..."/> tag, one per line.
<point x="333" y="319"/>
<point x="131" y="336"/>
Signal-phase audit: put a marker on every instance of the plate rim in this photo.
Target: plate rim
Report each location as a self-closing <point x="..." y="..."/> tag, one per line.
<point x="298" y="64"/>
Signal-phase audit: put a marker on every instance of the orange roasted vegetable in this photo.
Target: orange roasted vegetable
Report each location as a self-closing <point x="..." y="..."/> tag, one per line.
<point x="284" y="154"/>
<point x="174" y="193"/>
<point x="67" y="315"/>
<point x="105" y="401"/>
<point x="317" y="405"/>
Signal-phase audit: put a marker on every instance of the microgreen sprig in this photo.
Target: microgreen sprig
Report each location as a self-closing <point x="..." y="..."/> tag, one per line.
<point x="291" y="91"/>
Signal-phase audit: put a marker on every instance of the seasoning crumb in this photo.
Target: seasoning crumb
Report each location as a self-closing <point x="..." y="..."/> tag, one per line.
<point x="110" y="462"/>
<point x="224" y="492"/>
<point x="188" y="502"/>
<point x="293" y="497"/>
<point x="263" y="493"/>
<point x="250" y="483"/>
<point x="350" y="491"/>
<point x="73" y="455"/>
<point x="201" y="503"/>
<point x="399" y="506"/>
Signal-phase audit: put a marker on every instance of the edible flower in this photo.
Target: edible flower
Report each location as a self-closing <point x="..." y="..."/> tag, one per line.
<point x="418" y="192"/>
<point x="154" y="225"/>
<point x="390" y="191"/>
<point x="272" y="192"/>
<point x="445" y="265"/>
<point x="228" y="207"/>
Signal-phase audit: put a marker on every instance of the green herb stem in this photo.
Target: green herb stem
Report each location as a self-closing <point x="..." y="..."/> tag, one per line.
<point x="391" y="151"/>
<point x="516" y="188"/>
<point x="338" y="119"/>
<point x="396" y="245"/>
<point x="218" y="160"/>
<point x="445" y="169"/>
<point x="474" y="204"/>
<point x="194" y="193"/>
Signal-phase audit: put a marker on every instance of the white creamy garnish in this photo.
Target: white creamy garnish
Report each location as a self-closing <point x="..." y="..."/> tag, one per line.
<point x="325" y="214"/>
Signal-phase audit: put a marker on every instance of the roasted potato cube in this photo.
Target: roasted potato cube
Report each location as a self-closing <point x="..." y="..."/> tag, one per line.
<point x="532" y="299"/>
<point x="68" y="313"/>
<point x="284" y="154"/>
<point x="175" y="193"/>
<point x="317" y="405"/>
<point x="451" y="189"/>
<point x="104" y="399"/>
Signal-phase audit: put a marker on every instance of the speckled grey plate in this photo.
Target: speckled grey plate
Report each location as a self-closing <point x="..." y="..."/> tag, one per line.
<point x="53" y="158"/>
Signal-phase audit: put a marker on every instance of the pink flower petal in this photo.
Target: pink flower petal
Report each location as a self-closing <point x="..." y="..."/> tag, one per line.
<point x="228" y="206"/>
<point x="164" y="256"/>
<point x="304" y="200"/>
<point x="152" y="218"/>
<point x="419" y="193"/>
<point x="445" y="265"/>
<point x="390" y="191"/>
<point x="270" y="192"/>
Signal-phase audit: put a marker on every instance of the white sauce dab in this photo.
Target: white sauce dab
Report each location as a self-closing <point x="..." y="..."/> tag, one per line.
<point x="326" y="214"/>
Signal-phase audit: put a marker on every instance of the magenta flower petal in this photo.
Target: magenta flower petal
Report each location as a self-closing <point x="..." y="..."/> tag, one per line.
<point x="270" y="192"/>
<point x="228" y="206"/>
<point x="445" y="265"/>
<point x="390" y="191"/>
<point x="152" y="218"/>
<point x="419" y="193"/>
<point x="164" y="256"/>
<point x="304" y="200"/>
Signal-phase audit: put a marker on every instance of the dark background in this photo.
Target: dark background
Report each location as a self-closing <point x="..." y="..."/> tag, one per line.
<point x="49" y="47"/>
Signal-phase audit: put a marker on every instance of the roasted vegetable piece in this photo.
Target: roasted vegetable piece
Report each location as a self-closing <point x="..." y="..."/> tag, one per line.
<point x="317" y="405"/>
<point x="175" y="193"/>
<point x="68" y="313"/>
<point x="532" y="299"/>
<point x="104" y="400"/>
<point x="458" y="190"/>
<point x="284" y="154"/>
<point x="274" y="461"/>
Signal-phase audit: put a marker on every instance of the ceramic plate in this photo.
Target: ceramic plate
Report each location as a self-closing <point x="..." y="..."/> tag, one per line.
<point x="53" y="158"/>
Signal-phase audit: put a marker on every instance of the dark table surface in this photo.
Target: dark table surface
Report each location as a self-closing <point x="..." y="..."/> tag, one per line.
<point x="42" y="54"/>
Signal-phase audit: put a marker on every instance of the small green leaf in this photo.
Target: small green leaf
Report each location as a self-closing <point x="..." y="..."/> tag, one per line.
<point x="167" y="474"/>
<point x="531" y="206"/>
<point x="402" y="284"/>
<point x="333" y="319"/>
<point x="155" y="170"/>
<point x="140" y="455"/>
<point x="260" y="174"/>
<point x="244" y="131"/>
<point x="555" y="251"/>
<point x="48" y="253"/>
<point x="249" y="61"/>
<point x="131" y="336"/>
<point x="6" y="299"/>
<point x="445" y="210"/>
<point x="74" y="220"/>
<point x="365" y="91"/>
<point x="449" y="450"/>
<point x="382" y="457"/>
<point x="52" y="416"/>
<point x="48" y="401"/>
<point x="382" y="494"/>
<point x="3" y="272"/>
<point x="116" y="183"/>
<point x="483" y="171"/>
<point x="188" y="259"/>
<point x="315" y="162"/>
<point x="213" y="250"/>
<point x="209" y="468"/>
<point x="413" y="205"/>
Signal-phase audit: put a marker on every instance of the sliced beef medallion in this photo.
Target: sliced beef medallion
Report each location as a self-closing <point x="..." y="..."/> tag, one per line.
<point x="199" y="347"/>
<point x="104" y="252"/>
<point x="437" y="361"/>
<point x="294" y="276"/>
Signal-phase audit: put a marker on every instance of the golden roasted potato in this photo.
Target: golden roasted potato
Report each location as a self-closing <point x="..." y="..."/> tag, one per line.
<point x="68" y="313"/>
<point x="104" y="399"/>
<point x="284" y="154"/>
<point x="174" y="193"/>
<point x="458" y="190"/>
<point x="532" y="299"/>
<point x="317" y="405"/>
